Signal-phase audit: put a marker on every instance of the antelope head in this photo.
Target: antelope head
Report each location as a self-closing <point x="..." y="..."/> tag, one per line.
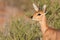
<point x="38" y="15"/>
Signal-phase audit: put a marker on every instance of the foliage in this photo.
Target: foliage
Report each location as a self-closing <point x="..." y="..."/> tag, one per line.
<point x="22" y="30"/>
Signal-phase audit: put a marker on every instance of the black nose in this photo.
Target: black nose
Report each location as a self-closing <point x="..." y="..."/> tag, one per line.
<point x="31" y="16"/>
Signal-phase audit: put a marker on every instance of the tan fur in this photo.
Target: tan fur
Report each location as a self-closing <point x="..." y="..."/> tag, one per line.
<point x="48" y="33"/>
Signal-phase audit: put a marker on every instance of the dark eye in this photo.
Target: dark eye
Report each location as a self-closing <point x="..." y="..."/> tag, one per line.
<point x="39" y="14"/>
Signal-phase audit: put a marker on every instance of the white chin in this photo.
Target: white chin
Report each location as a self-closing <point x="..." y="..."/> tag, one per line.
<point x="34" y="19"/>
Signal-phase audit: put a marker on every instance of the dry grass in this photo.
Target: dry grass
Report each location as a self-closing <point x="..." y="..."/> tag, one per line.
<point x="22" y="27"/>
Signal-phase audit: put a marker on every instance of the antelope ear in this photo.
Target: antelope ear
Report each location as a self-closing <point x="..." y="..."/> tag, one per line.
<point x="44" y="8"/>
<point x="35" y="7"/>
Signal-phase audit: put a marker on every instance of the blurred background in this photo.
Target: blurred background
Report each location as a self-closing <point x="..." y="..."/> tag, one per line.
<point x="15" y="22"/>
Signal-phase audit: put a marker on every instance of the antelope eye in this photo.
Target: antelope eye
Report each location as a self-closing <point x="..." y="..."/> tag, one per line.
<point x="39" y="14"/>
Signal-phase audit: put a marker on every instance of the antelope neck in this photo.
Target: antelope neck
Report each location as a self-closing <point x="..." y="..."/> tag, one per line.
<point x="43" y="24"/>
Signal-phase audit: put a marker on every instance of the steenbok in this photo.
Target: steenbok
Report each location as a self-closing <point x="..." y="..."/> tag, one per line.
<point x="48" y="33"/>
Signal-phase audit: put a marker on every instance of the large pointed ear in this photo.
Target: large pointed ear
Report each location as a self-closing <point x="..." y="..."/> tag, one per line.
<point x="44" y="8"/>
<point x="35" y="7"/>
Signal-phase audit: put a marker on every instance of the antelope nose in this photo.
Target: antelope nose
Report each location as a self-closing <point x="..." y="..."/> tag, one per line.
<point x="31" y="16"/>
